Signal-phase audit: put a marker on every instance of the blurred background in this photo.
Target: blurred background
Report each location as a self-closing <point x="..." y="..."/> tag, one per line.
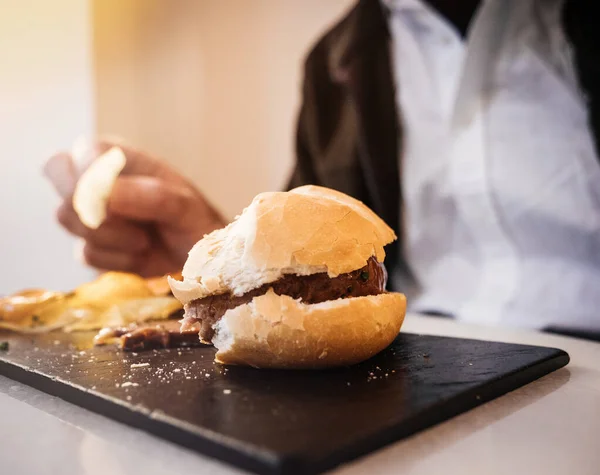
<point x="212" y="86"/>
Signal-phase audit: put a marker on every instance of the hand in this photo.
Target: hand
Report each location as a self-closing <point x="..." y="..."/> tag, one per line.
<point x="154" y="215"/>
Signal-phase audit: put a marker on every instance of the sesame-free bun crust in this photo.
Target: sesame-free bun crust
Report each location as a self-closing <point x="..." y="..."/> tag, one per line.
<point x="307" y="230"/>
<point x="276" y="331"/>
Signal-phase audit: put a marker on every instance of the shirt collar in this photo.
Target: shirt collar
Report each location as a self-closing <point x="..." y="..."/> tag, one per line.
<point x="414" y="5"/>
<point x="396" y="5"/>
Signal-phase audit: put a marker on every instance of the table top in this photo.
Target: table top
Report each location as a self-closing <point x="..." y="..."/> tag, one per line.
<point x="551" y="426"/>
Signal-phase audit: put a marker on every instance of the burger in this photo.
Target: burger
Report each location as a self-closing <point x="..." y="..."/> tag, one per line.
<point x="296" y="281"/>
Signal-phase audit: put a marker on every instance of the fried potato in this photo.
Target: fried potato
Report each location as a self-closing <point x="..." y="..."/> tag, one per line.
<point x="113" y="299"/>
<point x="160" y="285"/>
<point x="35" y="311"/>
<point x="95" y="185"/>
<point x="127" y="312"/>
<point x="110" y="288"/>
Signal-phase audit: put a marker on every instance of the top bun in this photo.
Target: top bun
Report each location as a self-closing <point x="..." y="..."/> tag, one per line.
<point x="304" y="231"/>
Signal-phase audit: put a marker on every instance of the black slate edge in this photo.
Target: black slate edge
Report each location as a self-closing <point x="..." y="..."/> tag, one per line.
<point x="464" y="402"/>
<point x="265" y="462"/>
<point x="207" y="443"/>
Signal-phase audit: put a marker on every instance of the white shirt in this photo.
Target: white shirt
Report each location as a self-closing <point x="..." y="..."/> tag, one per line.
<point x="500" y="180"/>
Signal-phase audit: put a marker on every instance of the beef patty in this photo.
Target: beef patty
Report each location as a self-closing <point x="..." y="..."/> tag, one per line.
<point x="315" y="288"/>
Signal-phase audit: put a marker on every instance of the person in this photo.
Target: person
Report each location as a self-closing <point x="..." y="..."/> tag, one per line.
<point x="471" y="127"/>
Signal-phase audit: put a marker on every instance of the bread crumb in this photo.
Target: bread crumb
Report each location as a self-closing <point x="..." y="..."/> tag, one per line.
<point x="177" y="370"/>
<point x="226" y="391"/>
<point x="139" y="365"/>
<point x="129" y="383"/>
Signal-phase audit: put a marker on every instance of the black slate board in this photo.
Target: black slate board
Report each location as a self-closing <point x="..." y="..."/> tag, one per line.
<point x="276" y="422"/>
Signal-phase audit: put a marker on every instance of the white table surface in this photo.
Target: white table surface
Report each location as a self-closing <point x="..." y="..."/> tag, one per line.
<point x="551" y="426"/>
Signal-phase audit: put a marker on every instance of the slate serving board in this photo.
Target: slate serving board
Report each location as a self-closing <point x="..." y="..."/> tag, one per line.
<point x="277" y="422"/>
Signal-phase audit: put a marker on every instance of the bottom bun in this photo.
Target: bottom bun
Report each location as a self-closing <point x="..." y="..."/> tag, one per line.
<point x="276" y="331"/>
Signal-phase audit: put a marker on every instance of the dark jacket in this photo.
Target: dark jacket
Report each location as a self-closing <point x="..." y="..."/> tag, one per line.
<point x="348" y="135"/>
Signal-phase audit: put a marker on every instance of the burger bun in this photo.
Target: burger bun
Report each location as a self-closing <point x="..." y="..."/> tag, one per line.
<point x="276" y="331"/>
